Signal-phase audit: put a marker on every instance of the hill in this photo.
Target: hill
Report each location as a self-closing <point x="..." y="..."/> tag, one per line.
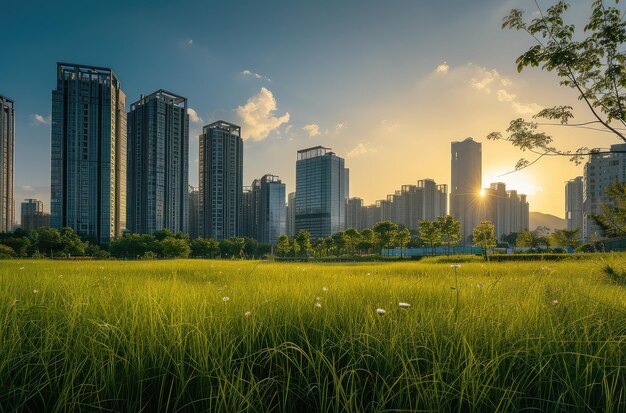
<point x="539" y="219"/>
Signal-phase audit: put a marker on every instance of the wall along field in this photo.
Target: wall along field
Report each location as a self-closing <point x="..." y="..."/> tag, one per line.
<point x="196" y="335"/>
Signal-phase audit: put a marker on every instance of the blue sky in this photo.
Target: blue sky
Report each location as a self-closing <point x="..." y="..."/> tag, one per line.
<point x="388" y="84"/>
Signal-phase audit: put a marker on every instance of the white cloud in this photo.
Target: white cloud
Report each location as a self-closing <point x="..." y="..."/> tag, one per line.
<point x="255" y="75"/>
<point x="505" y="82"/>
<point x="484" y="78"/>
<point x="442" y="68"/>
<point x="504" y="96"/>
<point x="360" y="149"/>
<point x="526" y="108"/>
<point x="26" y="188"/>
<point x="312" y="129"/>
<point x="339" y="127"/>
<point x="193" y="116"/>
<point x="389" y="127"/>
<point x="44" y="120"/>
<point x="190" y="42"/>
<point x="257" y="116"/>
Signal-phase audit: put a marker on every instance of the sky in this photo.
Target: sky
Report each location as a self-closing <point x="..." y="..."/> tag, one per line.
<point x="386" y="84"/>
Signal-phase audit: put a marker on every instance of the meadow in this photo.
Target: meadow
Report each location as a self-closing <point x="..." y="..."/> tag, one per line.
<point x="253" y="336"/>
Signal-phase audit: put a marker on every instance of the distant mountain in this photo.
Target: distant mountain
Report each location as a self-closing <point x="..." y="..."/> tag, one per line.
<point x="539" y="219"/>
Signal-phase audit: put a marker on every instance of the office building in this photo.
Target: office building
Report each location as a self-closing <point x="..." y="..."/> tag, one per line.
<point x="250" y="210"/>
<point x="88" y="156"/>
<point x="158" y="164"/>
<point x="221" y="180"/>
<point x="194" y="212"/>
<point x="7" y="142"/>
<point x="321" y="192"/>
<point x="355" y="214"/>
<point x="601" y="170"/>
<point x="33" y="215"/>
<point x="574" y="204"/>
<point x="466" y="168"/>
<point x="272" y="214"/>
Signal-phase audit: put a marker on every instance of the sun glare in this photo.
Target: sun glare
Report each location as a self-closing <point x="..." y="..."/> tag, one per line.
<point x="481" y="193"/>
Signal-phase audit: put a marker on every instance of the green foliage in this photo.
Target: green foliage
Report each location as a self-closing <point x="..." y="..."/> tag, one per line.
<point x="385" y="234"/>
<point x="530" y="239"/>
<point x="368" y="240"/>
<point x="592" y="63"/>
<point x="6" y="252"/>
<point x="450" y="230"/>
<point x="566" y="238"/>
<point x="429" y="234"/>
<point x="157" y="336"/>
<point x="174" y="248"/>
<point x="204" y="248"/>
<point x="484" y="236"/>
<point x="303" y="243"/>
<point x="612" y="219"/>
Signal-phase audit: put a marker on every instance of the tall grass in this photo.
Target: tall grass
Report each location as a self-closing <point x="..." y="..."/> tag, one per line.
<point x="158" y="336"/>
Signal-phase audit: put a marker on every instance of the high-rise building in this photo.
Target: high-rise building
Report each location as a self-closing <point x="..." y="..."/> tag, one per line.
<point x="272" y="217"/>
<point x="321" y="193"/>
<point x="33" y="215"/>
<point x="7" y="142"/>
<point x="291" y="214"/>
<point x="88" y="156"/>
<point x="250" y="210"/>
<point x="194" y="212"/>
<point x="355" y="214"/>
<point x="158" y="164"/>
<point x="221" y="180"/>
<point x="574" y="204"/>
<point x="601" y="170"/>
<point x="466" y="182"/>
<point x="507" y="210"/>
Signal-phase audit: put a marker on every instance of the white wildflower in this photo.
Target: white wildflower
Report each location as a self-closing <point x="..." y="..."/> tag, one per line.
<point x="324" y="289"/>
<point x="318" y="305"/>
<point x="318" y="298"/>
<point x="555" y="302"/>
<point x="455" y="266"/>
<point x="225" y="299"/>
<point x="35" y="291"/>
<point x="380" y="311"/>
<point x="479" y="285"/>
<point x="248" y="313"/>
<point x="369" y="273"/>
<point x="404" y="305"/>
<point x="21" y="268"/>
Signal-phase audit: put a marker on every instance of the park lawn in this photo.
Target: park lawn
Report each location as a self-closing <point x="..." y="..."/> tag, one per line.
<point x="213" y="335"/>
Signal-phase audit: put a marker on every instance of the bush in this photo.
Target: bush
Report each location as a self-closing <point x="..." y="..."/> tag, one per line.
<point x="6" y="252"/>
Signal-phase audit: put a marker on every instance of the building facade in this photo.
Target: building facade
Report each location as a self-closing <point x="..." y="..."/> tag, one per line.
<point x="574" y="204"/>
<point x="7" y="150"/>
<point x="221" y="180"/>
<point x="158" y="164"/>
<point x="506" y="209"/>
<point x="600" y="171"/>
<point x="88" y="155"/>
<point x="250" y="210"/>
<point x="466" y="183"/>
<point x="321" y="192"/>
<point x="291" y="214"/>
<point x="194" y="212"/>
<point x="355" y="214"/>
<point x="33" y="215"/>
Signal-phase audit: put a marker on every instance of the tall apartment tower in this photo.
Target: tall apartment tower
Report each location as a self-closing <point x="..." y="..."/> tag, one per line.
<point x="355" y="214"/>
<point x="194" y="212"/>
<point x="466" y="184"/>
<point x="272" y="215"/>
<point x="574" y="204"/>
<point x="291" y="214"/>
<point x="33" y="216"/>
<point x="7" y="142"/>
<point x="158" y="164"/>
<point x="88" y="156"/>
<point x="601" y="170"/>
<point x="506" y="209"/>
<point x="250" y="210"/>
<point x="321" y="192"/>
<point x="221" y="180"/>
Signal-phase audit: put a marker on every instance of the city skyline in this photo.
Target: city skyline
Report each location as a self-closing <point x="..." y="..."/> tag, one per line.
<point x="428" y="93"/>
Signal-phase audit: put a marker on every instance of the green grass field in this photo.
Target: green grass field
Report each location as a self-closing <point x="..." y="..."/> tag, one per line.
<point x="162" y="336"/>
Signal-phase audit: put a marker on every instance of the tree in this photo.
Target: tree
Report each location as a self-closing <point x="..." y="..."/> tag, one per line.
<point x="172" y="247"/>
<point x="303" y="241"/>
<point x="594" y="66"/>
<point x="450" y="230"/>
<point x="72" y="244"/>
<point x="368" y="240"/>
<point x="612" y="219"/>
<point x="510" y="239"/>
<point x="47" y="241"/>
<point x="282" y="248"/>
<point x="429" y="234"/>
<point x="530" y="239"/>
<point x="402" y="239"/>
<point x="385" y="233"/>
<point x="484" y="236"/>
<point x="204" y="248"/>
<point x="352" y="240"/>
<point x="132" y="246"/>
<point x="567" y="238"/>
<point x="339" y="243"/>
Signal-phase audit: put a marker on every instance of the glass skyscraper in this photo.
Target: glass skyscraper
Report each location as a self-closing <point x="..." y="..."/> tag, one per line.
<point x="221" y="180"/>
<point x="158" y="164"/>
<point x="272" y="216"/>
<point x="321" y="192"/>
<point x="7" y="142"/>
<point x="88" y="155"/>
